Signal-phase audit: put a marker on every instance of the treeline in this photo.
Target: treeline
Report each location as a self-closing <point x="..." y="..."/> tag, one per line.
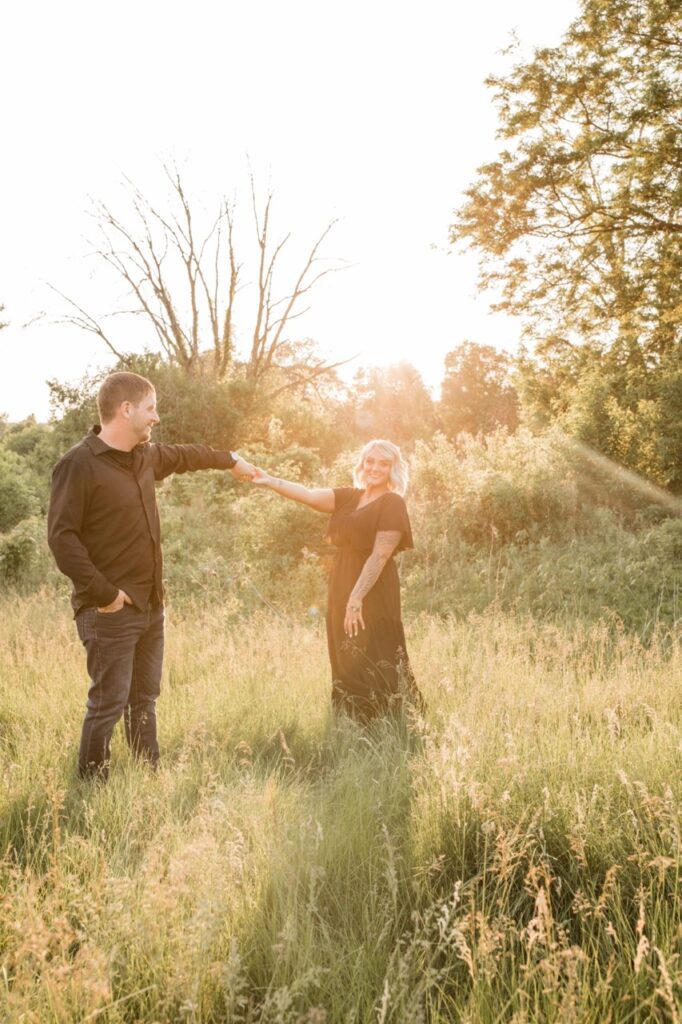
<point x="326" y="418"/>
<point x="528" y="520"/>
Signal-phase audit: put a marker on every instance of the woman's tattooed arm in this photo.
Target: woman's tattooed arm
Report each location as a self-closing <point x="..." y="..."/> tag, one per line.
<point x="385" y="544"/>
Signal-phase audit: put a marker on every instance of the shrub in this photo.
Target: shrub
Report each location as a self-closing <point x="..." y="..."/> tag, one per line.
<point x="25" y="559"/>
<point x="18" y="497"/>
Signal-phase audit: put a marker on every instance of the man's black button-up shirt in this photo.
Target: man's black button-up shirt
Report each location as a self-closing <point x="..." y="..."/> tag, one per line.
<point x="103" y="522"/>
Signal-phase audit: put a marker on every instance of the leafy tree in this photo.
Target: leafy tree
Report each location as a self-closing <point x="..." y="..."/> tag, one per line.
<point x="477" y="396"/>
<point x="579" y="219"/>
<point x="74" y="409"/>
<point x="199" y="408"/>
<point x="37" y="446"/>
<point x="391" y="402"/>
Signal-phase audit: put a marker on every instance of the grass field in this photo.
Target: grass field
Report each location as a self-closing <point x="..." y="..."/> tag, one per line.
<point x="513" y="857"/>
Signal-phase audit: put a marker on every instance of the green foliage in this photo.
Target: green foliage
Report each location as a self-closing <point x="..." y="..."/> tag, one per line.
<point x="497" y="487"/>
<point x="578" y="224"/>
<point x="225" y="540"/>
<point x="26" y="563"/>
<point x="579" y="214"/>
<point x="477" y="396"/>
<point x="538" y="522"/>
<point x="74" y="409"/>
<point x="24" y="437"/>
<point x="630" y="414"/>
<point x="19" y="496"/>
<point x="37" y="445"/>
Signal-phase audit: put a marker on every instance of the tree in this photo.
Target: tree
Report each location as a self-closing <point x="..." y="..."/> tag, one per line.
<point x="391" y="402"/>
<point x="199" y="407"/>
<point x="477" y="395"/>
<point x="579" y="219"/>
<point x="185" y="282"/>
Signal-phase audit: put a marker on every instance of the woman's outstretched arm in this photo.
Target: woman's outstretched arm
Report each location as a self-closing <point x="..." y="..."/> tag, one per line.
<point x="319" y="498"/>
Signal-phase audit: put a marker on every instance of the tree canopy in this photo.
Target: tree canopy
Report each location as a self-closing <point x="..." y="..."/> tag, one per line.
<point x="579" y="219"/>
<point x="477" y="395"/>
<point x="578" y="222"/>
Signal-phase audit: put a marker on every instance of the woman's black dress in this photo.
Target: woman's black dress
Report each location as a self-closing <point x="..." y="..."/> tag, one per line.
<point x="370" y="672"/>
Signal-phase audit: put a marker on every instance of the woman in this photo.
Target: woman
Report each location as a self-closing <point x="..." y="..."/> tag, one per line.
<point x="369" y="525"/>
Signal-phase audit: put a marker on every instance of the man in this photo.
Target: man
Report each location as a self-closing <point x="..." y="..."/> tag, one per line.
<point x="104" y="532"/>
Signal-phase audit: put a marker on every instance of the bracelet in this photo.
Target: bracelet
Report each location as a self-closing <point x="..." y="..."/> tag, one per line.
<point x="354" y="607"/>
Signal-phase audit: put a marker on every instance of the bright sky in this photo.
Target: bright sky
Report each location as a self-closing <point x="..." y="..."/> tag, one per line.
<point x="371" y="111"/>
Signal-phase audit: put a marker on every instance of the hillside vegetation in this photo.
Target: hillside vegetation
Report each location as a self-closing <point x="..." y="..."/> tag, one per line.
<point x="536" y="524"/>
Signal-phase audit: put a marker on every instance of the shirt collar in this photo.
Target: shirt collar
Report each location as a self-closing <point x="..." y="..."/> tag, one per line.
<point x="97" y="446"/>
<point x="95" y="442"/>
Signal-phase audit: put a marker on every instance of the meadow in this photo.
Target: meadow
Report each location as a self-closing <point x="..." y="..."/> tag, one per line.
<point x="512" y="856"/>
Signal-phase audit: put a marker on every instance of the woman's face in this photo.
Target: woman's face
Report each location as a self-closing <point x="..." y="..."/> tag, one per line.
<point x="376" y="469"/>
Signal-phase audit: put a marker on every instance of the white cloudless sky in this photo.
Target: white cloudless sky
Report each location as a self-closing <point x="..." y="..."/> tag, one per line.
<point x="374" y="113"/>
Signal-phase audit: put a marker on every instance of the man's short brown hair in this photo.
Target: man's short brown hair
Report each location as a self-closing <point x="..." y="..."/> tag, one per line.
<point x="121" y="387"/>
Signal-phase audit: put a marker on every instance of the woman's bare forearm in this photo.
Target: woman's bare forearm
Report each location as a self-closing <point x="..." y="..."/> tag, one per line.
<point x="320" y="499"/>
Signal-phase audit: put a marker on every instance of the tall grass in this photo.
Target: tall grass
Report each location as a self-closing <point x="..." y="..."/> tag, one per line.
<point x="515" y="856"/>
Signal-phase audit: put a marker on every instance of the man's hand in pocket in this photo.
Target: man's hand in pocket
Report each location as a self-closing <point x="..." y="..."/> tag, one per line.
<point x="116" y="604"/>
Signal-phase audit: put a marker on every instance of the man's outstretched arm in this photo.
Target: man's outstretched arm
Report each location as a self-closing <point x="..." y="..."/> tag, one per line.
<point x="188" y="458"/>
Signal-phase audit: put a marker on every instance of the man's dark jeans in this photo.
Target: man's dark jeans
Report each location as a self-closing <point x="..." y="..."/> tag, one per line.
<point x="125" y="654"/>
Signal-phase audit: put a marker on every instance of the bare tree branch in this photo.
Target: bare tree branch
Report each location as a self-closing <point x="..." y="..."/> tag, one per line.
<point x="86" y="322"/>
<point x="185" y="280"/>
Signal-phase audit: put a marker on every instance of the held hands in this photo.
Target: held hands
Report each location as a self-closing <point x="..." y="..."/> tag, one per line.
<point x="116" y="605"/>
<point x="260" y="478"/>
<point x="242" y="470"/>
<point x="353" y="620"/>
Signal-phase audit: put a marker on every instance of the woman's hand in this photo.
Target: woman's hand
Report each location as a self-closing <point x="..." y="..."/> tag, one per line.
<point x="260" y="478"/>
<point x="353" y="620"/>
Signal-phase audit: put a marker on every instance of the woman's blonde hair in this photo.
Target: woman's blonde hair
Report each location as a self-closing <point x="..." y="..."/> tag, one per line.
<point x="399" y="475"/>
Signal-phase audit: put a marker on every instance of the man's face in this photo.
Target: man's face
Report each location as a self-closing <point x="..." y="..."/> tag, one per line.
<point x="143" y="417"/>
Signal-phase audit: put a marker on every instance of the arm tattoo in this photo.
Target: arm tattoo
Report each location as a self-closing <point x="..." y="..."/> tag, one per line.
<point x="385" y="544"/>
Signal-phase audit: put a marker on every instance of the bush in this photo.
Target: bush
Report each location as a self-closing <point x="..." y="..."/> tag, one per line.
<point x="25" y="559"/>
<point x="537" y="524"/>
<point x="497" y="489"/>
<point x="18" y="492"/>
